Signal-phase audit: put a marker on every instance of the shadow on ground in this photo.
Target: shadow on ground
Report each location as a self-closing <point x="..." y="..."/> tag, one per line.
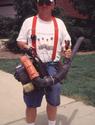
<point x="42" y="119"/>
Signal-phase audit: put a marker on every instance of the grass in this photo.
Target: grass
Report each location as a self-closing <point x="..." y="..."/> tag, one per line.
<point x="80" y="82"/>
<point x="8" y="65"/>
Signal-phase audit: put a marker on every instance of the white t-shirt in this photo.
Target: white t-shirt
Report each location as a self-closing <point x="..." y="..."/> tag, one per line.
<point x="45" y="37"/>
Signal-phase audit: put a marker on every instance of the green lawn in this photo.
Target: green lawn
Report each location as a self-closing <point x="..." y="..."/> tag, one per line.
<point x="80" y="82"/>
<point x="8" y="65"/>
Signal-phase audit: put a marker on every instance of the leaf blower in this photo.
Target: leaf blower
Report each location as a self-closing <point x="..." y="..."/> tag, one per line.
<point x="31" y="73"/>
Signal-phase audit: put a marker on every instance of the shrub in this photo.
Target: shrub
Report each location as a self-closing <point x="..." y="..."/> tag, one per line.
<point x="6" y="25"/>
<point x="77" y="28"/>
<point x="12" y="43"/>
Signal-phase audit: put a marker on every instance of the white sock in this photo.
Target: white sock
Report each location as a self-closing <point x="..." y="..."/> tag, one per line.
<point x="51" y="122"/>
<point x="30" y="123"/>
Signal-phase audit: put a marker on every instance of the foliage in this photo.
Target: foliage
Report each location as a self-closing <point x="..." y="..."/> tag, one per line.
<point x="85" y="7"/>
<point x="12" y="43"/>
<point x="24" y="9"/>
<point x="81" y="27"/>
<point x="6" y="25"/>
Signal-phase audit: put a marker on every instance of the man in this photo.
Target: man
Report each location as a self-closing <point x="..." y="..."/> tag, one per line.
<point x="51" y="37"/>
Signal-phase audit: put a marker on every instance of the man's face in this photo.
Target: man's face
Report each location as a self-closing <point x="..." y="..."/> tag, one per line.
<point x="45" y="5"/>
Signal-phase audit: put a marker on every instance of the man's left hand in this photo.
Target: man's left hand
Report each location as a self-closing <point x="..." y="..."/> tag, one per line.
<point x="67" y="53"/>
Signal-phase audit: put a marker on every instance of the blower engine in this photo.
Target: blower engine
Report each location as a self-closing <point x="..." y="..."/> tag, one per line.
<point x="32" y="74"/>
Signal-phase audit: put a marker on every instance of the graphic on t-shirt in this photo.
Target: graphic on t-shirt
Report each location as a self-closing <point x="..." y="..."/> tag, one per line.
<point x="45" y="41"/>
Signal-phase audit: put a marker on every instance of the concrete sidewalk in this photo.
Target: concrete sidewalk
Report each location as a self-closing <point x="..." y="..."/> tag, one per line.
<point x="12" y="107"/>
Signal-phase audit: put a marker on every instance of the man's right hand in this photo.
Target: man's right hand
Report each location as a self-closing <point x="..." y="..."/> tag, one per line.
<point x="28" y="51"/>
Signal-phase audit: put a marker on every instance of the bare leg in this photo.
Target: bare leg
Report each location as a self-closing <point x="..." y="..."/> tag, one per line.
<point x="30" y="115"/>
<point x="51" y="112"/>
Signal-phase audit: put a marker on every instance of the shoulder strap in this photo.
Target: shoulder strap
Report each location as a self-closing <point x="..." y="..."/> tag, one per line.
<point x="55" y="38"/>
<point x="55" y="35"/>
<point x="33" y="35"/>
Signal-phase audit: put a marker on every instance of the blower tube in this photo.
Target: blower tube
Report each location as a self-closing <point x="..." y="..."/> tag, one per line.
<point x="51" y="80"/>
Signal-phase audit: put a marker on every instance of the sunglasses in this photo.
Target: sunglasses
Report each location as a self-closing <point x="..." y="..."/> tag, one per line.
<point x="41" y="3"/>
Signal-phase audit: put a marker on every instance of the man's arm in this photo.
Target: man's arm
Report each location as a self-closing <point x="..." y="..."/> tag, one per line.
<point x="23" y="45"/>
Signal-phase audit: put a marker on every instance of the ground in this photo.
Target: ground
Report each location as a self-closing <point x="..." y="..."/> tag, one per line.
<point x="4" y="53"/>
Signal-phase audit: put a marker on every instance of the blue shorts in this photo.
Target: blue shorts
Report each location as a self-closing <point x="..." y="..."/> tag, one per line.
<point x="34" y="98"/>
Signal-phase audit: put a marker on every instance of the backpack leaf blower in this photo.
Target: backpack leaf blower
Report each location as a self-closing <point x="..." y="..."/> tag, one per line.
<point x="32" y="74"/>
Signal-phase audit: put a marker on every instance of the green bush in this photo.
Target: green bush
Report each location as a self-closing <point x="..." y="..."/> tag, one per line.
<point x="79" y="27"/>
<point x="6" y="25"/>
<point x="12" y="43"/>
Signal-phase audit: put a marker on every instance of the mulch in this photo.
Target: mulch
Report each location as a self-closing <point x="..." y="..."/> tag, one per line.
<point x="5" y="54"/>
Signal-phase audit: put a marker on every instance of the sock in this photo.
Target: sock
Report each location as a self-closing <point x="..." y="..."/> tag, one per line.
<point x="30" y="123"/>
<point x="51" y="122"/>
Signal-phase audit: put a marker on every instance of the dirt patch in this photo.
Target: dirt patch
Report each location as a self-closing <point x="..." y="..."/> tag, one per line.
<point x="7" y="54"/>
<point x="86" y="53"/>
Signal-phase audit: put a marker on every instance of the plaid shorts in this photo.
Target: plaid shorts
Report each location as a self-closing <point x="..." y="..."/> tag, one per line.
<point x="34" y="98"/>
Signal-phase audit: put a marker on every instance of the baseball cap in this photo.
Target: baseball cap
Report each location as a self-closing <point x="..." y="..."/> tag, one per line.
<point x="45" y="1"/>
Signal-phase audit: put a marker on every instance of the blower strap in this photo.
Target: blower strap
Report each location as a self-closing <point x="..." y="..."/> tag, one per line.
<point x="33" y="36"/>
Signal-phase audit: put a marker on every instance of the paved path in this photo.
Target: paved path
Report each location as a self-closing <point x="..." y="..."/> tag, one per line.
<point x="12" y="107"/>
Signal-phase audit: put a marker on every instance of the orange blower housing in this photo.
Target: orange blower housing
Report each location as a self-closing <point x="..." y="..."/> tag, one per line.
<point x="30" y="69"/>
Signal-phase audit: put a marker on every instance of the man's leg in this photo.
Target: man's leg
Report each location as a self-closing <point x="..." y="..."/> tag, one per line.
<point x="31" y="115"/>
<point x="51" y="113"/>
<point x="32" y="101"/>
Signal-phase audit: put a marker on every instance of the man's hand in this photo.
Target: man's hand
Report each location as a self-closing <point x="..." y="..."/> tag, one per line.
<point x="67" y="53"/>
<point x="29" y="51"/>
